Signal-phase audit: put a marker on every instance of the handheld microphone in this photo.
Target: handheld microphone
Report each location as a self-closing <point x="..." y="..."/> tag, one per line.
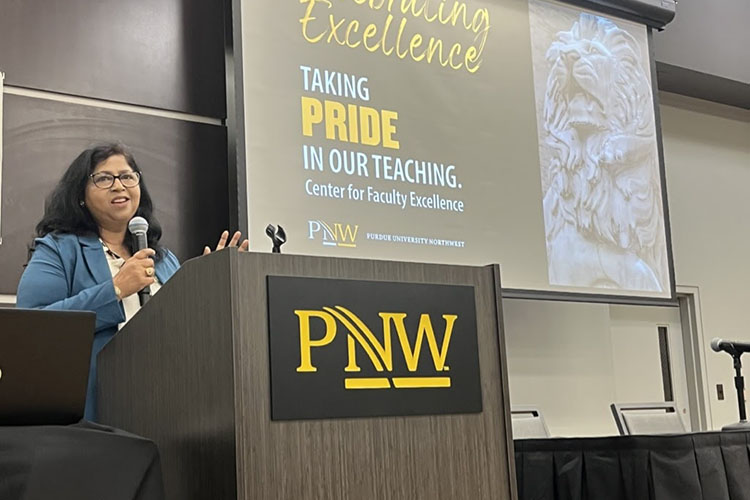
<point x="730" y="346"/>
<point x="138" y="227"/>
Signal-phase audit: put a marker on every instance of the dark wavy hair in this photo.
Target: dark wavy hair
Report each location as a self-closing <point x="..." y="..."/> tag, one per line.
<point x="64" y="213"/>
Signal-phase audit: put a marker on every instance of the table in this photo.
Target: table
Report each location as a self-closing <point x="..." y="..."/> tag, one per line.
<point x="85" y="461"/>
<point x="702" y="466"/>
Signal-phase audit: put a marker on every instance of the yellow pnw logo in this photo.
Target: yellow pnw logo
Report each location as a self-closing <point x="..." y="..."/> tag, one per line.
<point x="379" y="353"/>
<point x="336" y="234"/>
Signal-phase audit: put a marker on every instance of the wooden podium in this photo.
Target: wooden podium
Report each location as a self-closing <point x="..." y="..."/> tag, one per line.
<point x="191" y="372"/>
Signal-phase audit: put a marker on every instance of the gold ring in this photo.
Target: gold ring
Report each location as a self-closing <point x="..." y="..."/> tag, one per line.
<point x="149" y="271"/>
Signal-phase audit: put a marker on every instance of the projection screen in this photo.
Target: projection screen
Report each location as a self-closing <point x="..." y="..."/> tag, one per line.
<point x="515" y="132"/>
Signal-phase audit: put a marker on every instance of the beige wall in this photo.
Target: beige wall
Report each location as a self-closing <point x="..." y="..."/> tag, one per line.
<point x="707" y="156"/>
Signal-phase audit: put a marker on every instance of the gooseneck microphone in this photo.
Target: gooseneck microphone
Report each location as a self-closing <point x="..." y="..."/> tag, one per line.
<point x="138" y="227"/>
<point x="278" y="237"/>
<point x="730" y="346"/>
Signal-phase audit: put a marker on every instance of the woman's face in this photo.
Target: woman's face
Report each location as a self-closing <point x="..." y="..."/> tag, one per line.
<point x="112" y="207"/>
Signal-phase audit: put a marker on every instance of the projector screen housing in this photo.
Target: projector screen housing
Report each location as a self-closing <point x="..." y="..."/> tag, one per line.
<point x="654" y="13"/>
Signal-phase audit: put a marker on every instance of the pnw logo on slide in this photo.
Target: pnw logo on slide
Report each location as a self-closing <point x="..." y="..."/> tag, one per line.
<point x="335" y="234"/>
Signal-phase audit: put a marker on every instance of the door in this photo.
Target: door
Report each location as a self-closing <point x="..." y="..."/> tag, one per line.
<point x="648" y="357"/>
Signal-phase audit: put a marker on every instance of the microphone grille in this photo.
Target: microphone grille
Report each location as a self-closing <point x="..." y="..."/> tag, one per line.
<point x="716" y="343"/>
<point x="138" y="225"/>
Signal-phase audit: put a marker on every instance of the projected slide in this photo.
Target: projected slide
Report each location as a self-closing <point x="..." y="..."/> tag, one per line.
<point x="462" y="132"/>
<point x="603" y="212"/>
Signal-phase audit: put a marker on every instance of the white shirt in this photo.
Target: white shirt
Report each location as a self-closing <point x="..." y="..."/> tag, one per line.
<point x="131" y="304"/>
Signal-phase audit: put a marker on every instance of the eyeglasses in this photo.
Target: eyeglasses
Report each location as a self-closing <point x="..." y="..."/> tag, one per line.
<point x="104" y="180"/>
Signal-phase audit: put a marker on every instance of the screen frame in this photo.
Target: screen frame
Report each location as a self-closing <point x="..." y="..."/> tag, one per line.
<point x="235" y="122"/>
<point x="237" y="137"/>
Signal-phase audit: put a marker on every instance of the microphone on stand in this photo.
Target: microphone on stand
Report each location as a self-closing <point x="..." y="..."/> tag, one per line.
<point x="735" y="349"/>
<point x="730" y="346"/>
<point x="138" y="227"/>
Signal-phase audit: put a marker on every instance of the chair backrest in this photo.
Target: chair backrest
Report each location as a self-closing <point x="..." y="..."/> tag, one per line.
<point x="528" y="423"/>
<point x="647" y="418"/>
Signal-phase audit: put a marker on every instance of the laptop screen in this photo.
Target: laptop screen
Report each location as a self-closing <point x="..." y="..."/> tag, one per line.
<point x="44" y="365"/>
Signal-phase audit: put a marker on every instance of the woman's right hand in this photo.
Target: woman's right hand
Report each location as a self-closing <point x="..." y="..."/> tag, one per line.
<point x="136" y="273"/>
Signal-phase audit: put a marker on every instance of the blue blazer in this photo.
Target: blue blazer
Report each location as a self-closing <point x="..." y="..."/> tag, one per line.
<point x="69" y="272"/>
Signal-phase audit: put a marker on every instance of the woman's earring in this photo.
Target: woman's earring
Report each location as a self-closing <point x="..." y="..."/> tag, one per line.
<point x="81" y="203"/>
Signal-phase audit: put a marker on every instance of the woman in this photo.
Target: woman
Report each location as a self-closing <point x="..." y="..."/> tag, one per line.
<point x="85" y="259"/>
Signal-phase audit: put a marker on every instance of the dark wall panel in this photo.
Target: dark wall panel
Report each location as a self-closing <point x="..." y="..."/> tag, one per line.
<point x="703" y="86"/>
<point x="167" y="54"/>
<point x="184" y="165"/>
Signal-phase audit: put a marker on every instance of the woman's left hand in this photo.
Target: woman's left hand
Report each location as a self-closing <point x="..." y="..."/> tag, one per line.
<point x="232" y="243"/>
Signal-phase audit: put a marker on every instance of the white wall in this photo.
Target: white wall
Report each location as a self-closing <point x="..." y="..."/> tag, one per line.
<point x="707" y="156"/>
<point x="572" y="360"/>
<point x="560" y="360"/>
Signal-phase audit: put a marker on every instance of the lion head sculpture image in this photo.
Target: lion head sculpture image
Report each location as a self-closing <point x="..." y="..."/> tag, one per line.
<point x="602" y="204"/>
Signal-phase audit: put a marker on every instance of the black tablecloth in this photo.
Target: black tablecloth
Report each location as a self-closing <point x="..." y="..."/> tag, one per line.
<point x="705" y="466"/>
<point x="85" y="461"/>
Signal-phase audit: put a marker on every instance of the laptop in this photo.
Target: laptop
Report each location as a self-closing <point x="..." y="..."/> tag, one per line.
<point x="44" y="365"/>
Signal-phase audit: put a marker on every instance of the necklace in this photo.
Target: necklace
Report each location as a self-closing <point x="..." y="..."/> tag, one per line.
<point x="109" y="250"/>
